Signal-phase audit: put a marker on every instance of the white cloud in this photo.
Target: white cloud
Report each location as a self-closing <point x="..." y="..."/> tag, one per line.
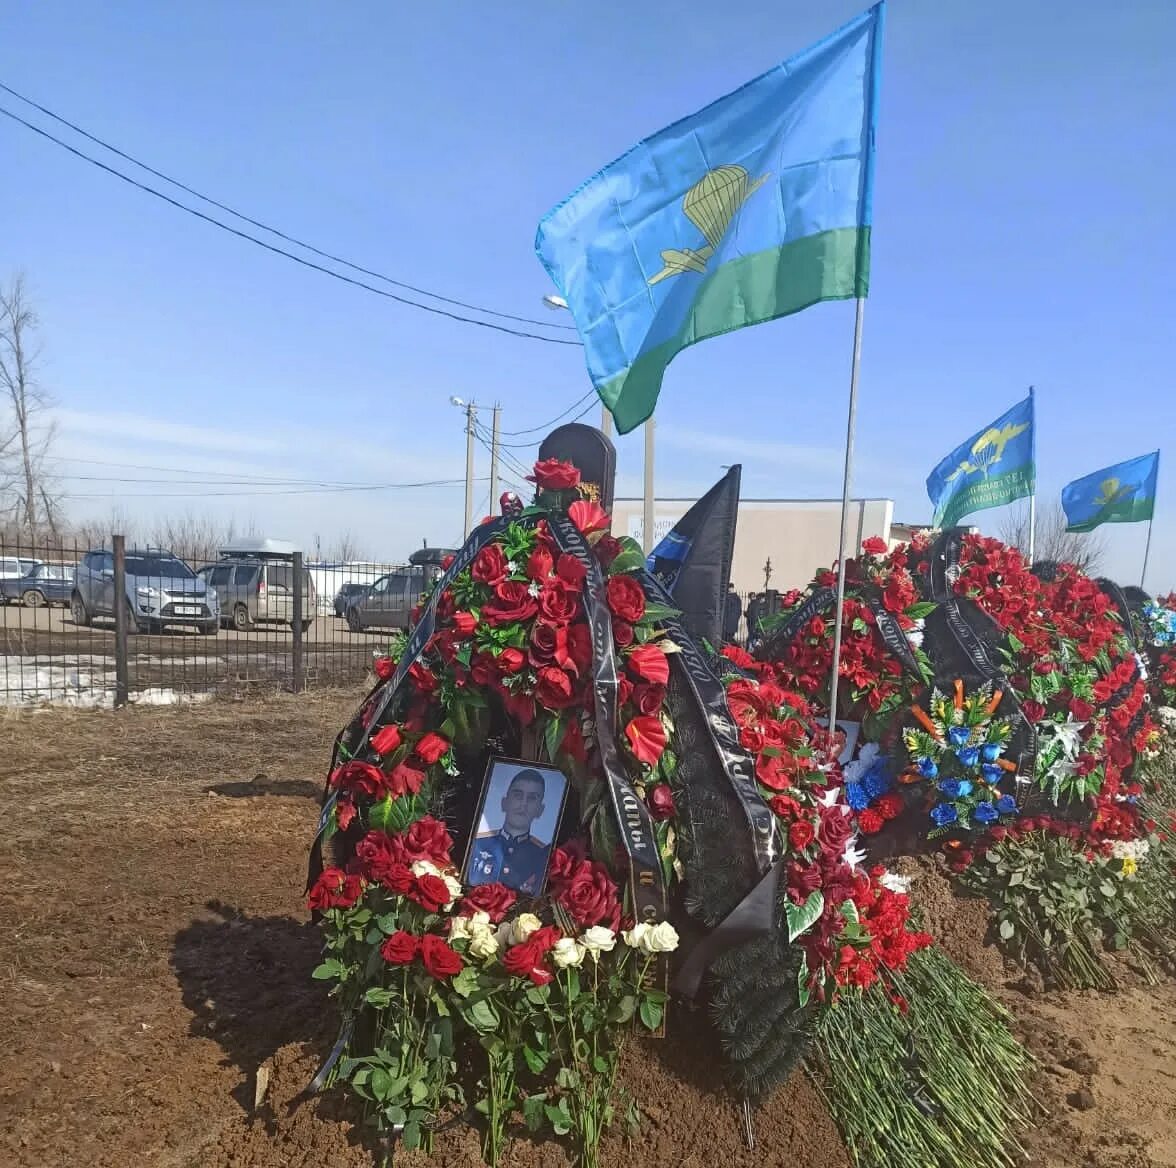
<point x="137" y="428"/>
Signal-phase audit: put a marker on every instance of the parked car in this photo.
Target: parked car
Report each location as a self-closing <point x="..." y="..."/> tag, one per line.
<point x="347" y="594"/>
<point x="46" y="584"/>
<point x="255" y="589"/>
<point x="10" y="568"/>
<point x="160" y="590"/>
<point x="389" y="602"/>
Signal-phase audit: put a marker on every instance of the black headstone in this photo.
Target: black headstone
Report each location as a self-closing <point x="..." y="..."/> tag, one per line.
<point x="591" y="452"/>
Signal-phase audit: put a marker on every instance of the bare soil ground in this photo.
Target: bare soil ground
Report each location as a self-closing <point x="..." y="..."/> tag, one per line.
<point x="154" y="953"/>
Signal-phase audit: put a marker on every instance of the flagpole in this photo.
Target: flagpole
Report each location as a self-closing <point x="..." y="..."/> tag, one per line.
<point x="647" y="522"/>
<point x="1147" y="549"/>
<point x="1033" y="495"/>
<point x="845" y="493"/>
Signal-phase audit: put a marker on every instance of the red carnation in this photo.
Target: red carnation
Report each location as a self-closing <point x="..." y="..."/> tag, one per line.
<point x="385" y="740"/>
<point x="589" y="517"/>
<point x="400" y="948"/>
<point x="384" y="667"/>
<point x="890" y="806"/>
<point x="431" y="748"/>
<point x="552" y="474"/>
<point x="647" y="738"/>
<point x="625" y="598"/>
<point x="334" y="889"/>
<point x="439" y="958"/>
<point x="801" y="834"/>
<point x="464" y="623"/>
<point x="607" y="549"/>
<point x="572" y="743"/>
<point x="540" y="564"/>
<point x="650" y="663"/>
<point x="421" y="677"/>
<point x="495" y="900"/>
<point x="512" y="603"/>
<point x="870" y="821"/>
<point x="579" y="647"/>
<point x="874" y="546"/>
<point x="344" y="814"/>
<point x="1082" y="711"/>
<point x="490" y="565"/>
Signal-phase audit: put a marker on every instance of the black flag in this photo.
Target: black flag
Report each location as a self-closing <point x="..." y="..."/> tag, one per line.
<point x="693" y="562"/>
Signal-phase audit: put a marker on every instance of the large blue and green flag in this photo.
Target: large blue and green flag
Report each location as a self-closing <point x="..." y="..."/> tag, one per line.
<point x="993" y="467"/>
<point x="1123" y="493"/>
<point x="754" y="208"/>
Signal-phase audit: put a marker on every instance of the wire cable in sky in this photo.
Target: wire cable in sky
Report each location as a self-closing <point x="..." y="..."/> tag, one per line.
<point x="175" y="182"/>
<point x="547" y="425"/>
<point x="280" y="491"/>
<point x="282" y="251"/>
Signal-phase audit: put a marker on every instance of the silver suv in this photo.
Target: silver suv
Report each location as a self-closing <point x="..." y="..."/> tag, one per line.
<point x="253" y="590"/>
<point x="161" y="590"/>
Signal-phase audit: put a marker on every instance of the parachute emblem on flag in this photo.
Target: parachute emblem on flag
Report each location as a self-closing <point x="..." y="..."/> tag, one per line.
<point x="988" y="450"/>
<point x="711" y="205"/>
<point x="1111" y="491"/>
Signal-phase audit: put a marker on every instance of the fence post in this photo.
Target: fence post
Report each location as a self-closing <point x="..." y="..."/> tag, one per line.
<point x="121" y="678"/>
<point x="299" y="600"/>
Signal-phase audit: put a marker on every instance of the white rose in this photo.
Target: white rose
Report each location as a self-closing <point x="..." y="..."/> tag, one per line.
<point x="483" y="943"/>
<point x="453" y="884"/>
<point x="599" y="940"/>
<point x="480" y="920"/>
<point x="662" y="938"/>
<point x="523" y="926"/>
<point x="568" y="953"/>
<point x="459" y="929"/>
<point x="635" y="937"/>
<point x="425" y="868"/>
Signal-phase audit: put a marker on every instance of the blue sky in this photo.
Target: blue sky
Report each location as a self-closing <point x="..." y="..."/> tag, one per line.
<point x="1022" y="235"/>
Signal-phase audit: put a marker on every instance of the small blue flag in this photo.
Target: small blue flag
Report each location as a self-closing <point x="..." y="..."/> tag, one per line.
<point x="993" y="467"/>
<point x="1123" y="493"/>
<point x="754" y="208"/>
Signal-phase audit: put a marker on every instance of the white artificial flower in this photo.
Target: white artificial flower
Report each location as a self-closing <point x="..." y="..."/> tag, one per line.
<point x="459" y="929"/>
<point x="830" y="798"/>
<point x="453" y="884"/>
<point x="855" y="771"/>
<point x="523" y="926"/>
<point x="425" y="868"/>
<point x="893" y="882"/>
<point x="599" y="940"/>
<point x="854" y="856"/>
<point x="480" y="920"/>
<point x="662" y="938"/>
<point x="1130" y="849"/>
<point x="533" y="589"/>
<point x="635" y="937"/>
<point x="1166" y="716"/>
<point x="483" y="943"/>
<point x="512" y="567"/>
<point x="568" y="953"/>
<point x="915" y="635"/>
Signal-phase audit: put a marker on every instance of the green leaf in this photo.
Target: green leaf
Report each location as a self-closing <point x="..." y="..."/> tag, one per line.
<point x="658" y="612"/>
<point x="553" y="735"/>
<point x="380" y="814"/>
<point x="802" y="917"/>
<point x="651" y="1014"/>
<point x="379" y="997"/>
<point x="536" y="1060"/>
<point x="629" y="560"/>
<point x="419" y="1091"/>
<point x="558" y="1117"/>
<point x="411" y="1136"/>
<point x="621" y="1011"/>
<point x="567" y="1079"/>
<point x="921" y="610"/>
<point x="465" y="982"/>
<point x="330" y="968"/>
<point x="381" y="1083"/>
<point x="481" y="1015"/>
<point x="538" y="995"/>
<point x="802" y="978"/>
<point x="572" y="985"/>
<point x="533" y="1111"/>
<point x="1006" y="930"/>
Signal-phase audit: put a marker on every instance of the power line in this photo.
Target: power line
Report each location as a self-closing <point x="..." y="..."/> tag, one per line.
<point x="281" y="251"/>
<point x="240" y="475"/>
<point x="266" y="494"/>
<point x="548" y="425"/>
<point x="273" y="230"/>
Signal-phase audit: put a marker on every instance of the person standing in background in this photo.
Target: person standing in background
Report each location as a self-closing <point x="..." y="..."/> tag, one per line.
<point x="732" y="611"/>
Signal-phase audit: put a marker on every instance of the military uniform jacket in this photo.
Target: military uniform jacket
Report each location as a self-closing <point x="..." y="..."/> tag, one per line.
<point x="516" y="861"/>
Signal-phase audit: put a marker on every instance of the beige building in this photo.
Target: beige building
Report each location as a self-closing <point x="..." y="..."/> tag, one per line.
<point x="799" y="536"/>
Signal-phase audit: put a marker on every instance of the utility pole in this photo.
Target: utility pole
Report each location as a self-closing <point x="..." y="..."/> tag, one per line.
<point x="647" y="523"/>
<point x="471" y="413"/>
<point x="494" y="459"/>
<point x="605" y="421"/>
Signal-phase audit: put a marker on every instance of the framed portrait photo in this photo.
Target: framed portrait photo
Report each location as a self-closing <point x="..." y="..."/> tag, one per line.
<point x="516" y="825"/>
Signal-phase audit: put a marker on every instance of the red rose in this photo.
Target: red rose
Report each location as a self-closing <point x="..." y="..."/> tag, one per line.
<point x="580" y="647"/>
<point x="510" y="660"/>
<point x="752" y="738"/>
<point x="661" y="802"/>
<point x="385" y="740"/>
<point x="557" y="602"/>
<point x="1082" y="711"/>
<point x="650" y="663"/>
<point x="834" y="831"/>
<point x="590" y="898"/>
<point x="607" y="549"/>
<point x="572" y="743"/>
<point x="439" y="958"/>
<point x="384" y="667"/>
<point x="622" y="633"/>
<point x="1032" y="710"/>
<point x="431" y="748"/>
<point x="561" y="866"/>
<point x="647" y="738"/>
<point x="405" y="780"/>
<point x="874" y="546"/>
<point x="552" y="474"/>
<point x="344" y="814"/>
<point x="571" y="571"/>
<point x="801" y="834"/>
<point x="483" y="669"/>
<point x="490" y="565"/>
<point x="495" y="900"/>
<point x="512" y="603"/>
<point x="624" y="689"/>
<point x="553" y="688"/>
<point x="547" y="642"/>
<point x="334" y="889"/>
<point x="870" y="821"/>
<point x="784" y="806"/>
<point x="519" y="706"/>
<point x="400" y="948"/>
<point x="427" y="839"/>
<point x="625" y="598"/>
<point x="464" y="623"/>
<point x="526" y="960"/>
<point x="431" y="892"/>
<point x="649" y="699"/>
<point x="421" y="677"/>
<point x="359" y="777"/>
<point x="589" y="517"/>
<point x="540" y="564"/>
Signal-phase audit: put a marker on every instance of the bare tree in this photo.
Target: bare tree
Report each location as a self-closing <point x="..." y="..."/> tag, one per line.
<point x="26" y="434"/>
<point x="345" y="548"/>
<point x="197" y="539"/>
<point x="1052" y="541"/>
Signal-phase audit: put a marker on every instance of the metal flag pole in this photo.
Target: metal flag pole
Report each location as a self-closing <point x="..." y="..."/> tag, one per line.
<point x="1033" y="493"/>
<point x="1147" y="549"/>
<point x="494" y="455"/>
<point x="845" y="493"/>
<point x="647" y="522"/>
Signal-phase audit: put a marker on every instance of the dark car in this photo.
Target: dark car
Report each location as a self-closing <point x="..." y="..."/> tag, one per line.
<point x="45" y="584"/>
<point x="347" y="595"/>
<point x="389" y="602"/>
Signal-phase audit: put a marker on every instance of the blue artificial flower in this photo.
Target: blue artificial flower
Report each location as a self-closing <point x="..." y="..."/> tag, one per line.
<point x="1006" y="805"/>
<point x="991" y="751"/>
<point x="959" y="735"/>
<point x="856" y="796"/>
<point x="956" y="788"/>
<point x="877" y="779"/>
<point x="991" y="772"/>
<point x="969" y="756"/>
<point x="943" y="814"/>
<point x="984" y="812"/>
<point x="927" y="768"/>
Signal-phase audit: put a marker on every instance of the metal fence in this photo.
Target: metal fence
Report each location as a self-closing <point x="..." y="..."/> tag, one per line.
<point x="87" y="627"/>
